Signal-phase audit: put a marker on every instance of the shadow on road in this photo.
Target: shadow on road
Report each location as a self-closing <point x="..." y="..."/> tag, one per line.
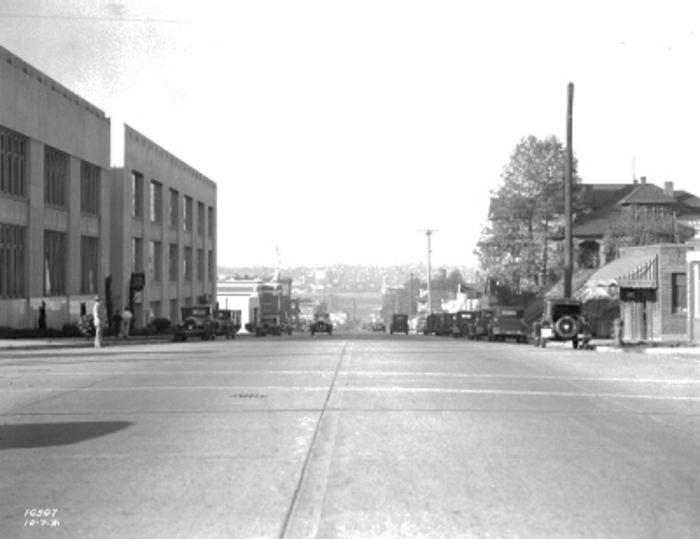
<point x="29" y="435"/>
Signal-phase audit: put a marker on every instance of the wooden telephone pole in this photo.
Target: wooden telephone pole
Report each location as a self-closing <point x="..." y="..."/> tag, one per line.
<point x="568" y="182"/>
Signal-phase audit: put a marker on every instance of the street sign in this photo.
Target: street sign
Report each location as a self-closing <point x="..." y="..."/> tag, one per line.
<point x="137" y="281"/>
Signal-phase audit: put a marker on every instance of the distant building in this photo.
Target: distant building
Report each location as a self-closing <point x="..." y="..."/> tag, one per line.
<point x="257" y="297"/>
<point x="604" y="203"/>
<point x="55" y="202"/>
<point x="242" y="295"/>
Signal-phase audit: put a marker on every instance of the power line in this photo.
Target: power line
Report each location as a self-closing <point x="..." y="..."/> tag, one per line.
<point x="89" y="18"/>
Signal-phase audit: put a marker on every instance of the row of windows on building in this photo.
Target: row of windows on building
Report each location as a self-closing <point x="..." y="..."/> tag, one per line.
<point x="155" y="261"/>
<point x="14" y="264"/>
<point x="14" y="149"/>
<point x="156" y="206"/>
<point x="14" y="158"/>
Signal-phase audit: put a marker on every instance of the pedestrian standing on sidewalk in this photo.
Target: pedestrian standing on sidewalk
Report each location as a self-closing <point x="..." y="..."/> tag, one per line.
<point x="97" y="320"/>
<point x="126" y="322"/>
<point x="151" y="317"/>
<point x="42" y="318"/>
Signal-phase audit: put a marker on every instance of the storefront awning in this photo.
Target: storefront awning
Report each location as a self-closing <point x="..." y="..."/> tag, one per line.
<point x="631" y="271"/>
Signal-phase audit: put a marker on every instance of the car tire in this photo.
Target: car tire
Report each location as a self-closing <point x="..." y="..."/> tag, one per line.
<point x="566" y="327"/>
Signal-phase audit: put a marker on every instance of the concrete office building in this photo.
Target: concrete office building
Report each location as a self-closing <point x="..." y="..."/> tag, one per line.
<point x="54" y="198"/>
<point x="164" y="227"/>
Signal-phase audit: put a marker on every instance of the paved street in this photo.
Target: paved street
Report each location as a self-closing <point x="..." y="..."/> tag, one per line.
<point x="348" y="436"/>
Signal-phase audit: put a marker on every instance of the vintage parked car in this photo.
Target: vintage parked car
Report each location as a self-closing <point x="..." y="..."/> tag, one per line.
<point x="197" y="321"/>
<point x="399" y="324"/>
<point x="269" y="325"/>
<point x="463" y="325"/>
<point x="507" y="322"/>
<point x="482" y="323"/>
<point x="561" y="320"/>
<point x="322" y="324"/>
<point x="378" y="327"/>
<point x="227" y="322"/>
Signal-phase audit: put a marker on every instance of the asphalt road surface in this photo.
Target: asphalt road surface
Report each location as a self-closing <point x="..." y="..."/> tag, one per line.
<point x="348" y="436"/>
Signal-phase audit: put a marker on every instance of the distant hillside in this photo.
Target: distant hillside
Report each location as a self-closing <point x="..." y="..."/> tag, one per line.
<point x="343" y="278"/>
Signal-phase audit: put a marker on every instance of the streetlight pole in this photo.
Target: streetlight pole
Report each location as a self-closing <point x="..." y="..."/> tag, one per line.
<point x="428" y="234"/>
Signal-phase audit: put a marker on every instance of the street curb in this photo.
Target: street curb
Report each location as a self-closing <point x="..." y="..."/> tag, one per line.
<point x="58" y="344"/>
<point x="650" y="350"/>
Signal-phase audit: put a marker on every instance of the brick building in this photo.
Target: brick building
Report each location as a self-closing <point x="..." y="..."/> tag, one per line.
<point x="650" y="282"/>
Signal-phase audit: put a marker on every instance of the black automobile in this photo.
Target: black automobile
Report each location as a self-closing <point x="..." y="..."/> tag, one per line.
<point x="197" y="321"/>
<point x="269" y="325"/>
<point x="507" y="323"/>
<point x="561" y="320"/>
<point x="322" y="324"/>
<point x="227" y="322"/>
<point x="463" y="324"/>
<point x="399" y="324"/>
<point x="378" y="327"/>
<point x="482" y="323"/>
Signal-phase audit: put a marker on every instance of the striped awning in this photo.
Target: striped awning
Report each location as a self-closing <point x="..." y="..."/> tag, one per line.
<point x="630" y="271"/>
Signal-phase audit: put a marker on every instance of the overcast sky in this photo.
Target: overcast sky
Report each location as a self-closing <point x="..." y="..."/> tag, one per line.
<point x="336" y="130"/>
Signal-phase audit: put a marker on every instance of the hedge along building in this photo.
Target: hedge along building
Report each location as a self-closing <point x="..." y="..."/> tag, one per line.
<point x="164" y="229"/>
<point x="54" y="198"/>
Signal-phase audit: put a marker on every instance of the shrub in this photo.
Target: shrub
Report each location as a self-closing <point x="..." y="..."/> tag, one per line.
<point x="71" y="330"/>
<point x="161" y="325"/>
<point x="7" y="333"/>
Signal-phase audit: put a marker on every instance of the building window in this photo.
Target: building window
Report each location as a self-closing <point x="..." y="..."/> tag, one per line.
<point x="200" y="219"/>
<point x="210" y="227"/>
<point x="89" y="189"/>
<point x="136" y="255"/>
<point x="155" y="261"/>
<point x="678" y="293"/>
<point x="200" y="264"/>
<point x="187" y="221"/>
<point x="174" y="207"/>
<point x="13" y="163"/>
<point x="12" y="261"/>
<point x="89" y="264"/>
<point x="187" y="264"/>
<point x="55" y="259"/>
<point x="210" y="266"/>
<point x="55" y="177"/>
<point x="172" y="262"/>
<point x="156" y="308"/>
<point x="137" y="193"/>
<point x="156" y="202"/>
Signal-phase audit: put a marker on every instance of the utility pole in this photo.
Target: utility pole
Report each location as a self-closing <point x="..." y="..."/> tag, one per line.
<point x="568" y="182"/>
<point x="428" y="234"/>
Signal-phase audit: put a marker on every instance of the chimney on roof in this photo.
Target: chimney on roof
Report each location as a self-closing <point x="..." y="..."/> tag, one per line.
<point x="668" y="189"/>
<point x="643" y="180"/>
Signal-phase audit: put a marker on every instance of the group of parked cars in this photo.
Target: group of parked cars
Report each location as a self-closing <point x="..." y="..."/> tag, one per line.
<point x="207" y="322"/>
<point x="546" y="320"/>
